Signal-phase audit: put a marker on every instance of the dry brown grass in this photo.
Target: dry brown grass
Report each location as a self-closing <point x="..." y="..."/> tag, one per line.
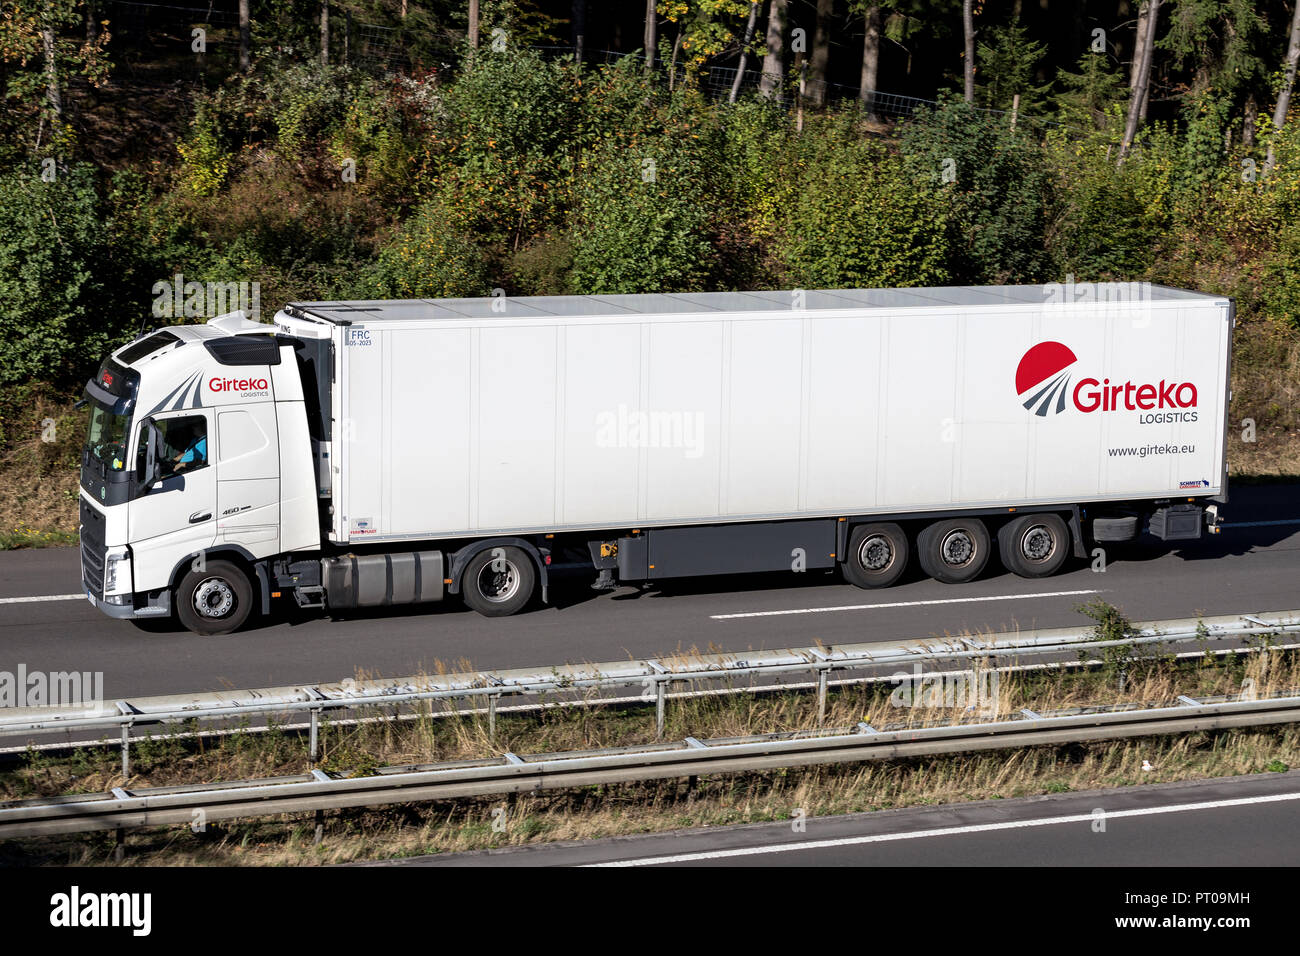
<point x="599" y="811"/>
<point x="38" y="470"/>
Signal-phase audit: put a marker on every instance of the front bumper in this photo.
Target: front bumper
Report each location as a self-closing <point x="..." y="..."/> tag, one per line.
<point x="152" y="604"/>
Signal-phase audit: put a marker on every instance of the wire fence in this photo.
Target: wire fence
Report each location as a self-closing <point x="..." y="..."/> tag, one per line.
<point x="384" y="49"/>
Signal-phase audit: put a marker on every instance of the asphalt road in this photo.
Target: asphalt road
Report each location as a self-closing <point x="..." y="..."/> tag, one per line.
<point x="1247" y="568"/>
<point x="1237" y="821"/>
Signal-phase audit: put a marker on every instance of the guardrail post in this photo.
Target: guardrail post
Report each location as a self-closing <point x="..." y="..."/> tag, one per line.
<point x="119" y="846"/>
<point x="492" y="716"/>
<point x="314" y="747"/>
<point x="661" y="693"/>
<point x="126" y="749"/>
<point x="821" y="696"/>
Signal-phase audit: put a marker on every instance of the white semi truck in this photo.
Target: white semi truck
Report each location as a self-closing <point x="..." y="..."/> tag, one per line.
<point x="362" y="454"/>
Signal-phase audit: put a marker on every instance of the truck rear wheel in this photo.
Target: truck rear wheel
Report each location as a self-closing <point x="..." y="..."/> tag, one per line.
<point x="877" y="555"/>
<point x="215" y="600"/>
<point x="954" y="551"/>
<point x="499" y="581"/>
<point x="1034" y="546"/>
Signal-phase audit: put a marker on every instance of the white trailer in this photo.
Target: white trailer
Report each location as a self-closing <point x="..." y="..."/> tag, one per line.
<point x="395" y="451"/>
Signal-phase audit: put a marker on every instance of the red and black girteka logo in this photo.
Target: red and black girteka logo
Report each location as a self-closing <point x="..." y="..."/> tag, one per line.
<point x="1044" y="374"/>
<point x="1043" y="382"/>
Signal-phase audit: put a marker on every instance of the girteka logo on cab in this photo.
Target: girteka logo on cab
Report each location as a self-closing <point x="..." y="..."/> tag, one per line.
<point x="1048" y="381"/>
<point x="245" y="387"/>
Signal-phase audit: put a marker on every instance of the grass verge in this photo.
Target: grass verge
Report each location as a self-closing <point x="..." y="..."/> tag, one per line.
<point x="586" y="813"/>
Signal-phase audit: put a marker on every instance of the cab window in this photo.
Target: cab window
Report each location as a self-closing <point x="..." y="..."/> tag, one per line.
<point x="184" y="445"/>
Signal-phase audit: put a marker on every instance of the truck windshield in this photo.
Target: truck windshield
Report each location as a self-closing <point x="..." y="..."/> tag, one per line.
<point x="106" y="438"/>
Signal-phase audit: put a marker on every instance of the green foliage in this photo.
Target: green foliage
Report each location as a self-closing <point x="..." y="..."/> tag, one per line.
<point x="430" y="257"/>
<point x="1102" y="229"/>
<point x="62" y="303"/>
<point x="645" y="214"/>
<point x="30" y="121"/>
<point x="995" y="184"/>
<point x="205" y="154"/>
<point x="1007" y="65"/>
<point x="543" y="267"/>
<point x="1095" y="96"/>
<point x="856" y="218"/>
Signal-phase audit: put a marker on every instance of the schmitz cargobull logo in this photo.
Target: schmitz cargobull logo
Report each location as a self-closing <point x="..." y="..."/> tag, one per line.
<point x="1043" y="380"/>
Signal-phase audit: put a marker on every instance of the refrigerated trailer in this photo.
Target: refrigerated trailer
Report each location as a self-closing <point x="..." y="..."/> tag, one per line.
<point x="372" y="453"/>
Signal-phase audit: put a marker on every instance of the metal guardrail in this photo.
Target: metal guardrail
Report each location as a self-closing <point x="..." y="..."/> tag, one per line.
<point x="573" y="685"/>
<point x="511" y="773"/>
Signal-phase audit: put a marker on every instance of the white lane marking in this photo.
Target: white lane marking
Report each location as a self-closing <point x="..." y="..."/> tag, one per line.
<point x="876" y="607"/>
<point x="1258" y="524"/>
<point x="43" y="597"/>
<point x="947" y="831"/>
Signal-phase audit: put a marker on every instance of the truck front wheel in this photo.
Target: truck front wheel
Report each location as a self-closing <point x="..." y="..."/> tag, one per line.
<point x="499" y="582"/>
<point x="214" y="600"/>
<point x="954" y="551"/>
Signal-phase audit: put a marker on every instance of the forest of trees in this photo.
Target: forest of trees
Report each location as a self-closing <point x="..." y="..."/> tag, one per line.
<point x="389" y="148"/>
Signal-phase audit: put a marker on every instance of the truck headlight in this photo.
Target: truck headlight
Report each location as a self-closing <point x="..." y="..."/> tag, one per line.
<point x="117" y="571"/>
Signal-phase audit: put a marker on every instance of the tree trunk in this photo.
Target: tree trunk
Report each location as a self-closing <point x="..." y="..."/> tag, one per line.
<point x="92" y="24"/>
<point x="49" y="50"/>
<point x="870" y="63"/>
<point x="672" y="63"/>
<point x="1250" y="115"/>
<point x="1288" y="84"/>
<point x="651" y="29"/>
<point x="245" y="38"/>
<point x="473" y="24"/>
<point x="750" y="24"/>
<point x="579" y="22"/>
<point x="821" y="54"/>
<point x="774" y="58"/>
<point x="1143" y="81"/>
<point x="325" y="34"/>
<point x="968" y="31"/>
<point x="1139" y="44"/>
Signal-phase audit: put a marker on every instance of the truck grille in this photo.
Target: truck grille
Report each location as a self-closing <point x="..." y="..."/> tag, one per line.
<point x="92" y="549"/>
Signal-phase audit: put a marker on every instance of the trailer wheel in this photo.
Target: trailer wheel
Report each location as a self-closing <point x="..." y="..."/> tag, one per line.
<point x="877" y="555"/>
<point x="499" y="582"/>
<point x="954" y="551"/>
<point x="216" y="600"/>
<point x="1034" y="546"/>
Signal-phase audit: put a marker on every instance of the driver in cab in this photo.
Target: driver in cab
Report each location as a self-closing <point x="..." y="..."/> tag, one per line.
<point x="194" y="442"/>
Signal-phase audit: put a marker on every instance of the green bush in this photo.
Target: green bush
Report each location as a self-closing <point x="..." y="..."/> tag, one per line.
<point x="64" y="301"/>
<point x="855" y="218"/>
<point x="646" y="214"/>
<point x="430" y="258"/>
<point x="995" y="183"/>
<point x="1102" y="229"/>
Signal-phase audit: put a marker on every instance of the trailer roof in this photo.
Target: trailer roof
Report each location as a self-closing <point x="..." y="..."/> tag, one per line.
<point x="346" y="313"/>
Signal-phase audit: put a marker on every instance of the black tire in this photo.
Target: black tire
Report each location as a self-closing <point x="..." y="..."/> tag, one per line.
<point x="1115" y="529"/>
<point x="503" y="589"/>
<point x="1034" y="546"/>
<point x="954" y="551"/>
<point x="216" y="600"/>
<point x="877" y="555"/>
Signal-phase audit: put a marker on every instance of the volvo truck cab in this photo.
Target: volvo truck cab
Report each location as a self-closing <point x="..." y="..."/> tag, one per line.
<point x="196" y="436"/>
